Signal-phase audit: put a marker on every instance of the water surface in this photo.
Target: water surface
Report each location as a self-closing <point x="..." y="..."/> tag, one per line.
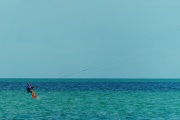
<point x="95" y="99"/>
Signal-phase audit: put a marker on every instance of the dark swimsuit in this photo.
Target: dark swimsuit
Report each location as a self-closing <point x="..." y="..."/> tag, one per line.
<point x="29" y="89"/>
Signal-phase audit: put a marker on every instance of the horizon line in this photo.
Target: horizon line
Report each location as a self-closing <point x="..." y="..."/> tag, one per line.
<point x="87" y="78"/>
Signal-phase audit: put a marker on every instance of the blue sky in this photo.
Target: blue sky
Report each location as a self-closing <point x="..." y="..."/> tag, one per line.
<point x="89" y="38"/>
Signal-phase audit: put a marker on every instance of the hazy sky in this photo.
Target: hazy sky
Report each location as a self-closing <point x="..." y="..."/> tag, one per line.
<point x="90" y="38"/>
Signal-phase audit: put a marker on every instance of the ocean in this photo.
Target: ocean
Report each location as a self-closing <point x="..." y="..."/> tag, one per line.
<point x="90" y="99"/>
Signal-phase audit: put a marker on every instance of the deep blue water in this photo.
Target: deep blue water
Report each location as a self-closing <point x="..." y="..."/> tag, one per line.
<point x="94" y="86"/>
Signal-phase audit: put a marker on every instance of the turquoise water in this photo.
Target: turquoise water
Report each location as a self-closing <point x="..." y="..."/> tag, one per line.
<point x="109" y="99"/>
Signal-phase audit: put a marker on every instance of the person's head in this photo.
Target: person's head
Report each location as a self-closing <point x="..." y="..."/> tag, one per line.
<point x="28" y="83"/>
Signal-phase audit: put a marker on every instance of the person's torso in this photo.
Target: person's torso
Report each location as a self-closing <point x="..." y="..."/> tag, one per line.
<point x="28" y="87"/>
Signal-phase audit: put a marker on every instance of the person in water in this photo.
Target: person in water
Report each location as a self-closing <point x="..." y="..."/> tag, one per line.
<point x="29" y="88"/>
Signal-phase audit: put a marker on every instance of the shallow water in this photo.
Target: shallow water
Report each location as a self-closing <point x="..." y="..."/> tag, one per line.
<point x="105" y="99"/>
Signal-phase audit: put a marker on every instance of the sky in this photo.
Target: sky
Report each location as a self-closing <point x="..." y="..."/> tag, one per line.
<point x="89" y="39"/>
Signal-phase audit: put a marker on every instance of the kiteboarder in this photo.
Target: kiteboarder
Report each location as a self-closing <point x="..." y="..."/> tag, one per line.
<point x="29" y="88"/>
